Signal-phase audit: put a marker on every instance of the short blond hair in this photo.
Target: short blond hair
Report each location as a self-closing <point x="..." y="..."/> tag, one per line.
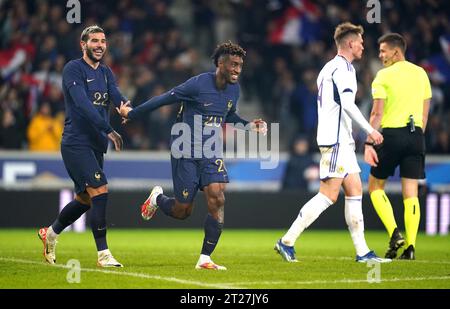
<point x="344" y="30"/>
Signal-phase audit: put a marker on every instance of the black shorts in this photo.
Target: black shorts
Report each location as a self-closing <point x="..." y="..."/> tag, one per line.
<point x="85" y="167"/>
<point x="404" y="148"/>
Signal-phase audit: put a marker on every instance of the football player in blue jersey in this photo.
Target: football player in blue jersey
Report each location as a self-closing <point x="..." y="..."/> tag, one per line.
<point x="88" y="88"/>
<point x="207" y="101"/>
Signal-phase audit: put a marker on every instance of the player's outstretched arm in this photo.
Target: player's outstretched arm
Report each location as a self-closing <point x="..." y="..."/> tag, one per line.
<point x="152" y="104"/>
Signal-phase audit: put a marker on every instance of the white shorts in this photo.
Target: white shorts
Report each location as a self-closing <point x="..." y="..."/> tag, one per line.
<point x="338" y="161"/>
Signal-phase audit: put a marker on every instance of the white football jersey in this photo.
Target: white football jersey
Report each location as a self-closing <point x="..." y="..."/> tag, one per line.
<point x="338" y="76"/>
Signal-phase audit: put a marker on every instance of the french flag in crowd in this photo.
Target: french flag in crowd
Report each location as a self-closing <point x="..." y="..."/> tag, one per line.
<point x="438" y="66"/>
<point x="298" y="24"/>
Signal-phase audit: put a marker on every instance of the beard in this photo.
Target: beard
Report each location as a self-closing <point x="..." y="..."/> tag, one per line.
<point x="90" y="54"/>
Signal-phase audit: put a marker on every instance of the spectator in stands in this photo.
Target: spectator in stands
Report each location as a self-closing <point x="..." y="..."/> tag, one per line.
<point x="145" y="36"/>
<point x="11" y="130"/>
<point x="301" y="168"/>
<point x="45" y="131"/>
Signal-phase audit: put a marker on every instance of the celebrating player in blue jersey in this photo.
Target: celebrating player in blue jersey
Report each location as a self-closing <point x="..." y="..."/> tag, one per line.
<point x="211" y="98"/>
<point x="88" y="88"/>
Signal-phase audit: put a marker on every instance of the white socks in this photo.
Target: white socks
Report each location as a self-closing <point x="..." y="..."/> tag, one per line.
<point x="307" y="215"/>
<point x="51" y="235"/>
<point x="204" y="259"/>
<point x="103" y="253"/>
<point x="355" y="222"/>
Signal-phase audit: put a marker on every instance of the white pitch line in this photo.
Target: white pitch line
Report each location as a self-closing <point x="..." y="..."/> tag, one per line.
<point x="129" y="274"/>
<point x="346" y="281"/>
<point x="349" y="258"/>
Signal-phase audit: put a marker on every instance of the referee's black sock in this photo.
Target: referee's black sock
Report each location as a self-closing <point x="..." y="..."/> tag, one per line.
<point x="213" y="229"/>
<point x="98" y="220"/>
<point x="70" y="213"/>
<point x="165" y="203"/>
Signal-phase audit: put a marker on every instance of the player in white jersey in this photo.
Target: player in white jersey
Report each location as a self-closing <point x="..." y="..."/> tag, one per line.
<point x="338" y="166"/>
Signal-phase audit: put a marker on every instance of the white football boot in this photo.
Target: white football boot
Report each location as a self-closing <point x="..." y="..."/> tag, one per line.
<point x="105" y="259"/>
<point x="149" y="208"/>
<point x="208" y="265"/>
<point x="49" y="246"/>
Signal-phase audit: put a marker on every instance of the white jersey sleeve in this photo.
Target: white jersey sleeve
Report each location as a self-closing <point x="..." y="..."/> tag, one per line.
<point x="347" y="97"/>
<point x="336" y="106"/>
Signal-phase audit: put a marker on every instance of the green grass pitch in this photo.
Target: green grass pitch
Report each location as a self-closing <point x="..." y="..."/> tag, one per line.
<point x="165" y="259"/>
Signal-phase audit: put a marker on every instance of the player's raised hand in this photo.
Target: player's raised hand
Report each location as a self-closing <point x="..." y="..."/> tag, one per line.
<point x="116" y="139"/>
<point x="376" y="137"/>
<point x="259" y="125"/>
<point x="124" y="109"/>
<point x="370" y="156"/>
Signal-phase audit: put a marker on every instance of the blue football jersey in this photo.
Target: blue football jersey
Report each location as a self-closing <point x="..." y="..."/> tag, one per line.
<point x="200" y="99"/>
<point x="87" y="95"/>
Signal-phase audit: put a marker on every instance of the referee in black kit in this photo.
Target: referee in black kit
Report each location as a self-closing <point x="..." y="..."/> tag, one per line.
<point x="401" y="100"/>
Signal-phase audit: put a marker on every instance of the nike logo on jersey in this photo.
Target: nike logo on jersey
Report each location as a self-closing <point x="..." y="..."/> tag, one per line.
<point x="207" y="104"/>
<point x="90" y="80"/>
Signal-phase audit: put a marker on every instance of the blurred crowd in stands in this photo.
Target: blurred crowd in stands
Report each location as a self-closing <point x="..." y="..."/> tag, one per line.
<point x="155" y="45"/>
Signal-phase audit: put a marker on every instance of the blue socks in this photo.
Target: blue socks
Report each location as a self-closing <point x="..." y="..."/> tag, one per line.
<point x="68" y="215"/>
<point x="98" y="220"/>
<point x="165" y="204"/>
<point x="213" y="229"/>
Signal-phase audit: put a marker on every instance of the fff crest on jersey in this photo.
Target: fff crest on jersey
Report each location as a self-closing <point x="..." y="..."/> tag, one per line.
<point x="97" y="176"/>
<point x="230" y="104"/>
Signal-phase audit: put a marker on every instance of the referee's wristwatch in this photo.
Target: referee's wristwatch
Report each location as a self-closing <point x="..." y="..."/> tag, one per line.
<point x="369" y="143"/>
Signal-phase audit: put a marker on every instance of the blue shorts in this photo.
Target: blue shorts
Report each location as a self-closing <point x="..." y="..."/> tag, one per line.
<point x="190" y="175"/>
<point x="85" y="167"/>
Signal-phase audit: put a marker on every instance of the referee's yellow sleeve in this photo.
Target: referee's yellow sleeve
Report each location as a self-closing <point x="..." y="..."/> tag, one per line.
<point x="378" y="90"/>
<point x="426" y="82"/>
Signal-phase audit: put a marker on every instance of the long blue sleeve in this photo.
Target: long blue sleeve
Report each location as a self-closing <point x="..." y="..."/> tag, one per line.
<point x="114" y="92"/>
<point x="233" y="117"/>
<point x="79" y="96"/>
<point x="185" y="92"/>
<point x="152" y="104"/>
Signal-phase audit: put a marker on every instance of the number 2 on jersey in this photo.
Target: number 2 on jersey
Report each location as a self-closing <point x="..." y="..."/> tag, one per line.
<point x="219" y="163"/>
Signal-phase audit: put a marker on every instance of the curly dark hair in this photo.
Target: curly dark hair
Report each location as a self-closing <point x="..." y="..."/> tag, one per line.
<point x="227" y="49"/>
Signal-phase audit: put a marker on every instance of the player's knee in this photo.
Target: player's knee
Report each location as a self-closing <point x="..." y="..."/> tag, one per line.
<point x="83" y="198"/>
<point x="332" y="197"/>
<point x="216" y="198"/>
<point x="182" y="211"/>
<point x="187" y="212"/>
<point x="371" y="187"/>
